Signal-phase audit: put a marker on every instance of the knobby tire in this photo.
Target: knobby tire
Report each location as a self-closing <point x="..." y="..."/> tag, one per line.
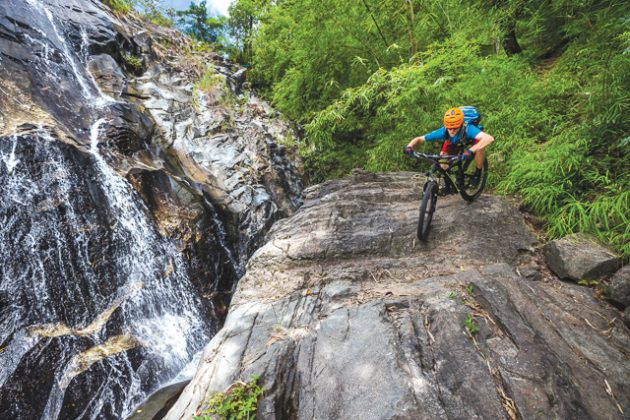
<point x="427" y="207"/>
<point x="467" y="192"/>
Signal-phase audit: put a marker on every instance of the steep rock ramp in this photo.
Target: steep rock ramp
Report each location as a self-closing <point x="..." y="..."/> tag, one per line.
<point x="344" y="314"/>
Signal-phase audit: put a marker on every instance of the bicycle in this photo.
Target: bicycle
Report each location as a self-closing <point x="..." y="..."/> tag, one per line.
<point x="464" y="184"/>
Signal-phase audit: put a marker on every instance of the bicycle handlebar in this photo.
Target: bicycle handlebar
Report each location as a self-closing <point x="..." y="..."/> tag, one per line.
<point x="435" y="158"/>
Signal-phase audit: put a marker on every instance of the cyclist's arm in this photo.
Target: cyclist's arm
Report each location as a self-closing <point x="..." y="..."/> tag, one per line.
<point x="484" y="141"/>
<point x="416" y="140"/>
<point x="432" y="136"/>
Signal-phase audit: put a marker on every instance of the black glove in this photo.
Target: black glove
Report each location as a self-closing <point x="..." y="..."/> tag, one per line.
<point x="467" y="155"/>
<point x="408" y="151"/>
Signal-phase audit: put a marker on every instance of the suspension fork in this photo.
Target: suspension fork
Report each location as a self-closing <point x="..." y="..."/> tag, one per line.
<point x="429" y="175"/>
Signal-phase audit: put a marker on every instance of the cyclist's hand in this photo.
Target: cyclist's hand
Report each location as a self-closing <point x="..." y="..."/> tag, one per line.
<point x="467" y="155"/>
<point x="408" y="151"/>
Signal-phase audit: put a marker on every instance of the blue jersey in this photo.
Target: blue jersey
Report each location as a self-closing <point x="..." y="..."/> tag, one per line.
<point x="441" y="134"/>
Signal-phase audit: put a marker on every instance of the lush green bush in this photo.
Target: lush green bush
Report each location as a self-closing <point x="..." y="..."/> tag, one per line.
<point x="238" y="402"/>
<point x="395" y="105"/>
<point x="132" y="61"/>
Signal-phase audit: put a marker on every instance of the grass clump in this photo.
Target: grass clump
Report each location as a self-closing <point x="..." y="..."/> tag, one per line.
<point x="215" y="87"/>
<point x="119" y="6"/>
<point x="471" y="325"/>
<point x="238" y="402"/>
<point x="470" y="289"/>
<point x="209" y="81"/>
<point x="132" y="61"/>
<point x="288" y="141"/>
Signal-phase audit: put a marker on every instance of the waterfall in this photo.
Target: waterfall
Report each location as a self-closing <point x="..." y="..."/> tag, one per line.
<point x="10" y="160"/>
<point x="115" y="267"/>
<point x="88" y="288"/>
<point x="128" y="309"/>
<point x="221" y="235"/>
<point x="37" y="5"/>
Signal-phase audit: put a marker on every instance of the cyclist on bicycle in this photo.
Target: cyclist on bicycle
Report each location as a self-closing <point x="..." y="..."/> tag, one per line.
<point x="455" y="139"/>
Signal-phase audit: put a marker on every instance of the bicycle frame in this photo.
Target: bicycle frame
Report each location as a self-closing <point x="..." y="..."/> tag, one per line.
<point x="437" y="160"/>
<point x="431" y="188"/>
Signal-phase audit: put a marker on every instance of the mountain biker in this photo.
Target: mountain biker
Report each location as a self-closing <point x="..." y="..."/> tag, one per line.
<point x="455" y="139"/>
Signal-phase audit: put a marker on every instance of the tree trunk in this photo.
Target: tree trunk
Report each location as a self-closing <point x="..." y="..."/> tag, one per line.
<point x="510" y="43"/>
<point x="413" y="43"/>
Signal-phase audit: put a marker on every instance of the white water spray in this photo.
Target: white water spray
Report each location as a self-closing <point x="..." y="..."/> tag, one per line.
<point x="103" y="98"/>
<point x="11" y="161"/>
<point x="64" y="46"/>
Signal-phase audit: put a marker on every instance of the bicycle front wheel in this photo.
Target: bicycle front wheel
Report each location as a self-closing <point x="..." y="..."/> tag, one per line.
<point x="427" y="207"/>
<point x="472" y="183"/>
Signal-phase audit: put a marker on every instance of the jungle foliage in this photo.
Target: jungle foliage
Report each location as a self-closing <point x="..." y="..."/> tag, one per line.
<point x="550" y="78"/>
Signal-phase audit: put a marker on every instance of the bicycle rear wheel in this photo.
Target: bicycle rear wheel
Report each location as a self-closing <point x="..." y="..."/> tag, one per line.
<point x="471" y="186"/>
<point x="427" y="207"/>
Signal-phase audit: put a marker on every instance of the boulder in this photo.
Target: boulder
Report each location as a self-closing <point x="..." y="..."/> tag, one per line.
<point x="344" y="314"/>
<point x="579" y="256"/>
<point x="619" y="290"/>
<point x="626" y="316"/>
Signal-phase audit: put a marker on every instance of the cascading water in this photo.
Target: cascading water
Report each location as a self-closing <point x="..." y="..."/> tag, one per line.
<point x="37" y="5"/>
<point x="10" y="161"/>
<point x="97" y="309"/>
<point x="237" y="263"/>
<point x="91" y="284"/>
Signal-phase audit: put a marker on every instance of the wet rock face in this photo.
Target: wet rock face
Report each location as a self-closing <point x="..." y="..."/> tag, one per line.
<point x="122" y="230"/>
<point x="230" y="145"/>
<point x="345" y="315"/>
<point x="94" y="298"/>
<point x="107" y="74"/>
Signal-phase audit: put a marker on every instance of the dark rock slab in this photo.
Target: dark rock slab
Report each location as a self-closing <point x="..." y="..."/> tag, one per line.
<point x="158" y="404"/>
<point x="576" y="257"/>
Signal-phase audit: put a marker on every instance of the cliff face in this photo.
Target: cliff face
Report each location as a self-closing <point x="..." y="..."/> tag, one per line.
<point x="130" y="199"/>
<point x="344" y="315"/>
